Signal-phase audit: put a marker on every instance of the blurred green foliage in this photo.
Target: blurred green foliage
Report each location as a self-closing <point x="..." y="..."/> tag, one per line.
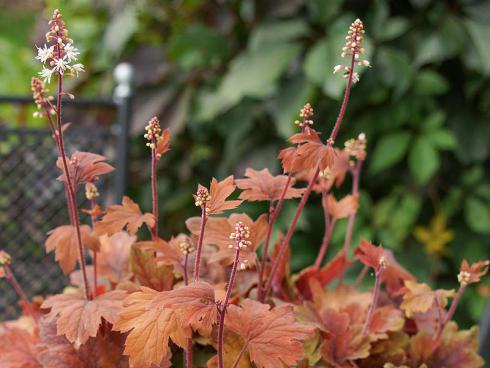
<point x="229" y="78"/>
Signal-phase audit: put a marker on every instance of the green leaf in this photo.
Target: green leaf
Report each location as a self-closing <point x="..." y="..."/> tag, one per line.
<point x="274" y="33"/>
<point x="322" y="11"/>
<point x="442" y="139"/>
<point x="197" y="46"/>
<point x="286" y="105"/>
<point x="395" y="69"/>
<point x="393" y="28"/>
<point x="430" y="83"/>
<point x="423" y="160"/>
<point x="480" y="35"/>
<point x="252" y="74"/>
<point x="389" y="150"/>
<point x="477" y="214"/>
<point x="120" y="30"/>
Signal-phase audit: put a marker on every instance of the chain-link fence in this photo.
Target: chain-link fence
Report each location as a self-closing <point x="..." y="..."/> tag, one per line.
<point x="33" y="202"/>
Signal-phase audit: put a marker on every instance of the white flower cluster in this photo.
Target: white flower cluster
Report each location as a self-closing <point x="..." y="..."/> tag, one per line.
<point x="353" y="48"/>
<point x="240" y="235"/>
<point x="58" y="60"/>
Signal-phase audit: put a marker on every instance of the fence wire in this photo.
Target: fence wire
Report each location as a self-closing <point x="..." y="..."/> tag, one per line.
<point x="33" y="202"/>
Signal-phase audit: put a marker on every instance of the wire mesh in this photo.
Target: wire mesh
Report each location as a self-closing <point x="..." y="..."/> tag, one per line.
<point x="33" y="202"/>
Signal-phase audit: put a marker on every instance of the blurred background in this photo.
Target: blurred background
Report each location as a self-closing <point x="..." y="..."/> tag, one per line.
<point x="229" y="77"/>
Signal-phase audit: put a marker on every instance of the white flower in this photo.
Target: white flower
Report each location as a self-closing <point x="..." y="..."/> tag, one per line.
<point x="60" y="65"/>
<point x="71" y="52"/>
<point x="46" y="74"/>
<point x="337" y="68"/>
<point x="77" y="68"/>
<point x="45" y="53"/>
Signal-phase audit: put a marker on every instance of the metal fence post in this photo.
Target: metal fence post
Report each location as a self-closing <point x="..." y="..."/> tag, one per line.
<point x="123" y="74"/>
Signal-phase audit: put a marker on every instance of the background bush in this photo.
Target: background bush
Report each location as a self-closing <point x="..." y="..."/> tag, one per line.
<point x="230" y="76"/>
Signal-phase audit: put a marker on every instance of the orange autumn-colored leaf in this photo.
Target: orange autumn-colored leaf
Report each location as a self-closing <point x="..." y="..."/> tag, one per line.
<point x="272" y="336"/>
<point x="369" y="254"/>
<point x="170" y="252"/>
<point x="163" y="144"/>
<point x="218" y="232"/>
<point x="78" y="318"/>
<point x="287" y="156"/>
<point x="232" y="345"/>
<point x="219" y="192"/>
<point x="394" y="275"/>
<point x="63" y="240"/>
<point x="346" y="207"/>
<point x="324" y="276"/>
<point x="262" y="186"/>
<point x="148" y="272"/>
<point x="113" y="257"/>
<point x="418" y="298"/>
<point x="18" y="348"/>
<point x="311" y="152"/>
<point x="194" y="305"/>
<point x="84" y="167"/>
<point x="471" y="274"/>
<point x="150" y="329"/>
<point x="385" y="319"/>
<point x="458" y="348"/>
<point x="344" y="342"/>
<point x="126" y="215"/>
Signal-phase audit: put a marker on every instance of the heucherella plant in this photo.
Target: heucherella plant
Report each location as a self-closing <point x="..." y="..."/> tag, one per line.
<point x="205" y="297"/>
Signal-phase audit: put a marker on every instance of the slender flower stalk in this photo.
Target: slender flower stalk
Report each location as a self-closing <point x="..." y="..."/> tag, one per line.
<point x="240" y="355"/>
<point x="353" y="49"/>
<point x="6" y="271"/>
<point x="154" y="136"/>
<point x="324" y="246"/>
<point x="91" y="193"/>
<point x="240" y="236"/>
<point x="306" y="114"/>
<point x="56" y="59"/>
<point x="202" y="197"/>
<point x="377" y="288"/>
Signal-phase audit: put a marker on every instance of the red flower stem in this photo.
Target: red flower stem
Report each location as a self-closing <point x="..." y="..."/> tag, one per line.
<point x="154" y="229"/>
<point x="273" y="213"/>
<point x="327" y="233"/>
<point x="323" y="248"/>
<point x="56" y="139"/>
<point x="372" y="307"/>
<point x="222" y="310"/>
<point x="355" y="192"/>
<point x="449" y="316"/>
<point x="71" y="189"/>
<point x="188" y="354"/>
<point x="186" y="274"/>
<point x="204" y="219"/>
<point x="361" y="277"/>
<point x="9" y="275"/>
<point x="93" y="204"/>
<point x="311" y="184"/>
<point x="240" y="355"/>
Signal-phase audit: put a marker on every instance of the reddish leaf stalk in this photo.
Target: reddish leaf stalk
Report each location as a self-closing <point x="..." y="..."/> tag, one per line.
<point x="449" y="316"/>
<point x="240" y="355"/>
<point x="361" y="276"/>
<point x="312" y="182"/>
<point x="154" y="230"/>
<point x="273" y="213"/>
<point x="324" y="246"/>
<point x="372" y="307"/>
<point x="9" y="275"/>
<point x="93" y="218"/>
<point x="188" y="351"/>
<point x="352" y="218"/>
<point x="204" y="219"/>
<point x="71" y="189"/>
<point x="186" y="274"/>
<point x="222" y="310"/>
